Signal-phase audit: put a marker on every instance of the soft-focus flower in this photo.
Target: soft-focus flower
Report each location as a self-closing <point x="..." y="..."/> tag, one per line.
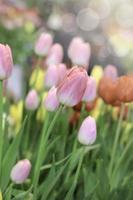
<point x="37" y="79"/>
<point x="108" y="91"/>
<point x="71" y="90"/>
<point x="97" y="73"/>
<point x="55" y="55"/>
<point x="110" y="71"/>
<point x="51" y="101"/>
<point x="79" y="52"/>
<point x="125" y="88"/>
<point x="90" y="92"/>
<point x="14" y="84"/>
<point x="32" y="100"/>
<point x="51" y="77"/>
<point x="62" y="70"/>
<point x="87" y="132"/>
<point x="15" y="115"/>
<point x="6" y="62"/>
<point x="74" y="42"/>
<point x="55" y="74"/>
<point x="20" y="171"/>
<point x="43" y="44"/>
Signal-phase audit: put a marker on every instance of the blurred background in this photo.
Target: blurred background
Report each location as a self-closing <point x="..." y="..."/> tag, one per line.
<point x="106" y="24"/>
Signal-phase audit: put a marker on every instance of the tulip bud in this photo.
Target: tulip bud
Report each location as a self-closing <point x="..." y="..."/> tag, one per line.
<point x="90" y="92"/>
<point x="6" y="62"/>
<point x="51" y="102"/>
<point x="71" y="90"/>
<point x="20" y="171"/>
<point x="79" y="52"/>
<point x="32" y="100"/>
<point x="55" y="55"/>
<point x="14" y="85"/>
<point x="87" y="132"/>
<point x="51" y="77"/>
<point x="110" y="71"/>
<point x="97" y="73"/>
<point x="62" y="71"/>
<point x="43" y="44"/>
<point x="73" y="44"/>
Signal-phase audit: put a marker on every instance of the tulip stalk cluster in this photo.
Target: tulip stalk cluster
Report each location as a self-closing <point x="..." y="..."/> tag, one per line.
<point x="57" y="141"/>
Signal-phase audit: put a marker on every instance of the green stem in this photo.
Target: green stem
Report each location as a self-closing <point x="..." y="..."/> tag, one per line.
<point x="122" y="157"/>
<point x="27" y="133"/>
<point x="72" y="188"/>
<point x="8" y="192"/>
<point x="41" y="153"/>
<point x="116" y="140"/>
<point x="1" y="125"/>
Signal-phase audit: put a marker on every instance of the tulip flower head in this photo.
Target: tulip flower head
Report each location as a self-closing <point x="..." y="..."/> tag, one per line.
<point x="51" y="77"/>
<point x="90" y="92"/>
<point x="87" y="132"/>
<point x="71" y="90"/>
<point x="20" y="171"/>
<point x="14" y="86"/>
<point x="79" y="52"/>
<point x="62" y="71"/>
<point x="51" y="102"/>
<point x="43" y="44"/>
<point x="6" y="62"/>
<point x="55" y="55"/>
<point x="32" y="100"/>
<point x="110" y="71"/>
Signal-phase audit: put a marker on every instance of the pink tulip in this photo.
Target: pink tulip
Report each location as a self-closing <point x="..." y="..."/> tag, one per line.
<point x="55" y="74"/>
<point x="20" y="171"/>
<point x="62" y="71"/>
<point x="43" y="44"/>
<point x="71" y="90"/>
<point x="79" y="52"/>
<point x="51" y="77"/>
<point x="55" y="55"/>
<point x="90" y="92"/>
<point x="110" y="71"/>
<point x="73" y="44"/>
<point x="6" y="62"/>
<point x="87" y="132"/>
<point x="14" y="85"/>
<point x="32" y="100"/>
<point x="51" y="102"/>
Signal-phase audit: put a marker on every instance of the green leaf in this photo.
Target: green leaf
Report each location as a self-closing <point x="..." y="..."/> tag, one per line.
<point x="10" y="158"/>
<point x="51" y="181"/>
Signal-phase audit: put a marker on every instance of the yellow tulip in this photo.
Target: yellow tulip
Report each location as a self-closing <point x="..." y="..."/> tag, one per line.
<point x="16" y="113"/>
<point x="37" y="79"/>
<point x="97" y="73"/>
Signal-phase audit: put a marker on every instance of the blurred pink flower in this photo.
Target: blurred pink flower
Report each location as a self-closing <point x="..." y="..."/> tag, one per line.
<point x="110" y="71"/>
<point x="55" y="55"/>
<point x="90" y="92"/>
<point x="87" y="132"/>
<point x="20" y="171"/>
<point x="43" y="44"/>
<point x="32" y="100"/>
<point x="14" y="84"/>
<point x="55" y="74"/>
<point x="51" y="101"/>
<point x="6" y="62"/>
<point x="79" y="52"/>
<point x="51" y="77"/>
